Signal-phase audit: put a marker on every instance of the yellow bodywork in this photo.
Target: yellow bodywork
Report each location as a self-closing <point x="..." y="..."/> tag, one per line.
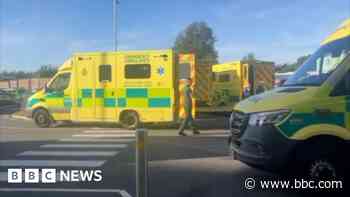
<point x="342" y="31"/>
<point x="303" y="102"/>
<point x="140" y="81"/>
<point x="230" y="80"/>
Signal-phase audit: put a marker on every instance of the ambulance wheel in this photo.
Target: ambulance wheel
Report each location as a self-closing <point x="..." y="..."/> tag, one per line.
<point x="42" y="118"/>
<point x="320" y="160"/>
<point x="130" y="120"/>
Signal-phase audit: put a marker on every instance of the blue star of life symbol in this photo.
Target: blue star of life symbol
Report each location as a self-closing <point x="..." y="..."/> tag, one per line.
<point x="161" y="70"/>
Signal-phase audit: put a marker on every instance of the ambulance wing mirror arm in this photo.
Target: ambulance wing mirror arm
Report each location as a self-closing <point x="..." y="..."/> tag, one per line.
<point x="45" y="88"/>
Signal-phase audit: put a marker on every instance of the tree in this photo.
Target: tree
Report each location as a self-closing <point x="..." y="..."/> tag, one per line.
<point x="293" y="66"/>
<point x="249" y="57"/>
<point x="198" y="38"/>
<point x="46" y="71"/>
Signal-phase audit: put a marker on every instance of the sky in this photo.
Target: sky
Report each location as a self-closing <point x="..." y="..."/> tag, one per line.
<point x="39" y="32"/>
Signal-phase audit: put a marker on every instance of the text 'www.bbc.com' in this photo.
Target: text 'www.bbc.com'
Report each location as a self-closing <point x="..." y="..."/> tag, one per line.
<point x="294" y="184"/>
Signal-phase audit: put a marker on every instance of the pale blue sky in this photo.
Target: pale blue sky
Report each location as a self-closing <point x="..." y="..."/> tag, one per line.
<point x="37" y="32"/>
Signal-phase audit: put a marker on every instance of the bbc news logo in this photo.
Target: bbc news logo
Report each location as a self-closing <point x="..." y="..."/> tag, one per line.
<point x="19" y="175"/>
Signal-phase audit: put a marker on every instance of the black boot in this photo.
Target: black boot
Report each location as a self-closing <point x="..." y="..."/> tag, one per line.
<point x="196" y="132"/>
<point x="182" y="133"/>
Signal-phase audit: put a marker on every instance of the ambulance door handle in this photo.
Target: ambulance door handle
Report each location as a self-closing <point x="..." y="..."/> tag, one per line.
<point x="322" y="111"/>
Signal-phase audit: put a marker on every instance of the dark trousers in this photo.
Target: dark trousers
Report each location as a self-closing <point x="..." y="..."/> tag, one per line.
<point x="188" y="121"/>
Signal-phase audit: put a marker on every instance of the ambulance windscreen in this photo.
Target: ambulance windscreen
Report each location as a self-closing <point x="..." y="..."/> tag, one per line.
<point x="321" y="64"/>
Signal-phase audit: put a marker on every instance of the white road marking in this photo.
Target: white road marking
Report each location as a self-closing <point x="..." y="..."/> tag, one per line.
<point x="95" y="140"/>
<point x="123" y="193"/>
<point x="84" y="146"/>
<point x="104" y="135"/>
<point x="214" y="135"/>
<point x="68" y="153"/>
<point x="53" y="163"/>
<point x="109" y="131"/>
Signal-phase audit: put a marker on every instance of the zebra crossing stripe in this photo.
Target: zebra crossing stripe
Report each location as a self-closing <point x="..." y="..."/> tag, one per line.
<point x="69" y="153"/>
<point x="52" y="163"/>
<point x="123" y="193"/>
<point x="95" y="140"/>
<point x="84" y="146"/>
<point x="103" y="135"/>
<point x="109" y="131"/>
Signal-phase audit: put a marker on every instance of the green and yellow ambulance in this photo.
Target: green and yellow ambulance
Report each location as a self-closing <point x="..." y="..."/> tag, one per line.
<point x="304" y="123"/>
<point x="233" y="81"/>
<point x="128" y="87"/>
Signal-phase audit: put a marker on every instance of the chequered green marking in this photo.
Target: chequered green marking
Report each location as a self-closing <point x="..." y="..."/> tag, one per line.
<point x="289" y="127"/>
<point x="59" y="94"/>
<point x="126" y="97"/>
<point x="32" y="102"/>
<point x="109" y="102"/>
<point x="121" y="102"/>
<point x="67" y="102"/>
<point x="136" y="93"/>
<point x="86" y="93"/>
<point x="99" y="93"/>
<point x="159" y="102"/>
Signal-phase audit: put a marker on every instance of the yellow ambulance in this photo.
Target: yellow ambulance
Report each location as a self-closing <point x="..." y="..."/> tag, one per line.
<point x="305" y="123"/>
<point x="129" y="87"/>
<point x="233" y="81"/>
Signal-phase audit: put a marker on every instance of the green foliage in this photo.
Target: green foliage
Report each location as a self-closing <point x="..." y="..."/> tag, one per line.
<point x="249" y="57"/>
<point x="198" y="38"/>
<point x="6" y="75"/>
<point x="293" y="66"/>
<point x="45" y="71"/>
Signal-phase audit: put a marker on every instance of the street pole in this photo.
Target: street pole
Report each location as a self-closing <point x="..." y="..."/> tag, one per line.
<point x="141" y="163"/>
<point x="115" y="36"/>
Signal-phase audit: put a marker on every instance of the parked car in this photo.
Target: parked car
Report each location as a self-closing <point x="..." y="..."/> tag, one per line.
<point x="8" y="103"/>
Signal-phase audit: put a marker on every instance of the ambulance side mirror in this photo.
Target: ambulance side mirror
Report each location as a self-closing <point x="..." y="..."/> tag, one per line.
<point x="347" y="83"/>
<point x="343" y="87"/>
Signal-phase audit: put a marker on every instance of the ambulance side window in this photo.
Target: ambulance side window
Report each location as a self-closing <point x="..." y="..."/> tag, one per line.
<point x="137" y="71"/>
<point x="105" y="73"/>
<point x="60" y="83"/>
<point x="343" y="87"/>
<point x="224" y="77"/>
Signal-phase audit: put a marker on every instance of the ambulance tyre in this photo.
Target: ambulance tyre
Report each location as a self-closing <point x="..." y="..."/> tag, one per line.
<point x="42" y="118"/>
<point x="129" y="119"/>
<point x="319" y="160"/>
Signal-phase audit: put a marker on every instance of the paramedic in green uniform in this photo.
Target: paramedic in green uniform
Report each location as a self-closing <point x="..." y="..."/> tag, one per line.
<point x="188" y="120"/>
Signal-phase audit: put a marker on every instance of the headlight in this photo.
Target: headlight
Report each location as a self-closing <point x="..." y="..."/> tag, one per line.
<point x="263" y="118"/>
